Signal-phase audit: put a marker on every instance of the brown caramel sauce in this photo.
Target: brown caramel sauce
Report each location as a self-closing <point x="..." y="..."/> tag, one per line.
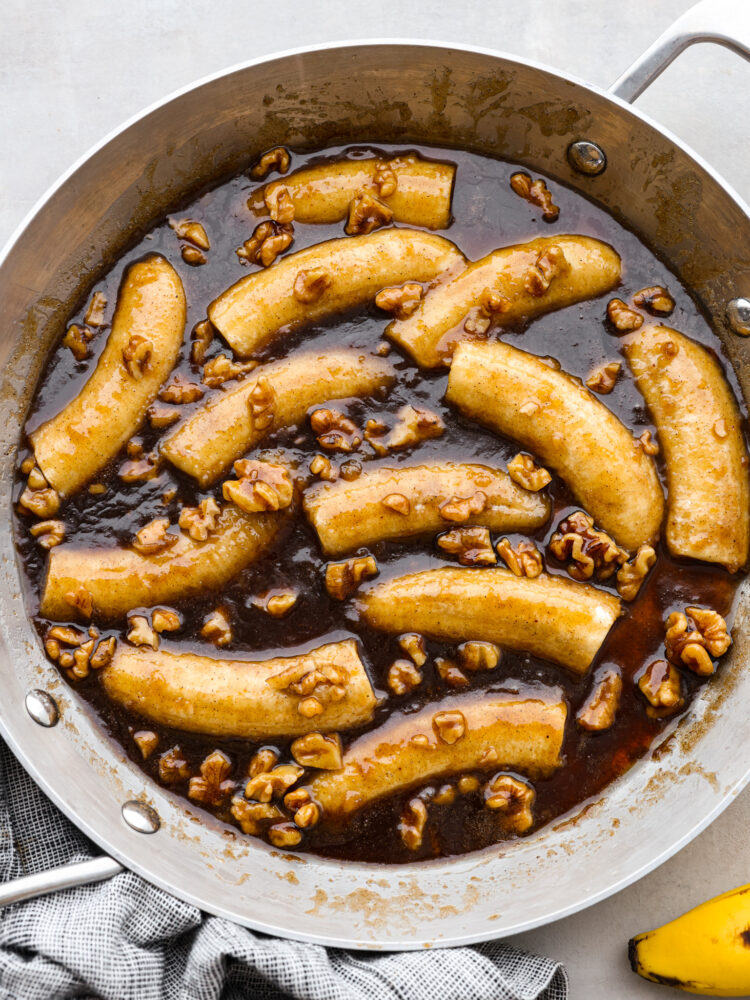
<point x="487" y="215"/>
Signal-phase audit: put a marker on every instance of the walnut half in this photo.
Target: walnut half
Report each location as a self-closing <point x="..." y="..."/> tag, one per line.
<point x="473" y="546"/>
<point x="523" y="560"/>
<point x="343" y="578"/>
<point x="590" y="552"/>
<point x="694" y="637"/>
<point x="661" y="686"/>
<point x="513" y="798"/>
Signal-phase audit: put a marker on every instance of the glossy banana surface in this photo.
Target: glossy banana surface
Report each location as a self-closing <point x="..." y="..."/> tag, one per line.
<point x="572" y="432"/>
<point x="347" y="515"/>
<point x="120" y="579"/>
<point x="236" y="698"/>
<point x="521" y="731"/>
<point x="150" y="321"/>
<point x="276" y="395"/>
<point x="430" y="334"/>
<point x="699" y="427"/>
<point x="258" y="307"/>
<point x="549" y="616"/>
<point x="323" y="193"/>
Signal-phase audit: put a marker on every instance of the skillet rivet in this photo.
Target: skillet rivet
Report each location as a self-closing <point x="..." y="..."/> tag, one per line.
<point x="42" y="708"/>
<point x="587" y="157"/>
<point x="140" y="817"/>
<point x="738" y="312"/>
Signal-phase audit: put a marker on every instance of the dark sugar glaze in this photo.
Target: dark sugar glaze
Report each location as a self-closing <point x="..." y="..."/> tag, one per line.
<point x="487" y="214"/>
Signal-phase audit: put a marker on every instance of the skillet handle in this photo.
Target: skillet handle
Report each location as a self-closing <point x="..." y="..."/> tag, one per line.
<point x="67" y="877"/>
<point x="726" y="22"/>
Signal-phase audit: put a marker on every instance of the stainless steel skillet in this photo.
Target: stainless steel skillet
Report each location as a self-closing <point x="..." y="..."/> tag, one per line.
<point x="402" y="92"/>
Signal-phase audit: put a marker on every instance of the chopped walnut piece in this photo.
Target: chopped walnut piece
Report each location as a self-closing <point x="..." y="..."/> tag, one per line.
<point x="276" y="602"/>
<point x="141" y="633"/>
<point x="514" y="798"/>
<point x="275" y="159"/>
<point x="96" y="308"/>
<point x="268" y="241"/>
<point x="222" y="369"/>
<point x="397" y="502"/>
<point x="720" y="428"/>
<point x="213" y="786"/>
<point x="477" y="323"/>
<point x="414" y="425"/>
<point x="310" y="286"/>
<point x="411" y="827"/>
<point x="478" y="655"/>
<point x="694" y="637"/>
<point x="38" y="496"/>
<point x="273" y="784"/>
<point x="549" y="264"/>
<point x="202" y="335"/>
<point x="400" y="300"/>
<point x="467" y="784"/>
<point x="97" y="489"/>
<point x="192" y="256"/>
<point x="165" y="620"/>
<point x="261" y="486"/>
<point x="48" y="533"/>
<point x="648" y="442"/>
<point x="310" y="707"/>
<point x="462" y="508"/>
<point x="103" y="653"/>
<point x="77" y="340"/>
<point x="218" y="628"/>
<point x="335" y="431"/>
<point x="661" y="686"/>
<point x="343" y="578"/>
<point x="536" y="193"/>
<point x="78" y="662"/>
<point x="139" y="470"/>
<point x="27" y="465"/>
<point x="449" y="726"/>
<point x="180" y="390"/>
<point x="173" y="767"/>
<point x="284" y="835"/>
<point x="375" y="435"/>
<point x="318" y="750"/>
<point x="193" y="232"/>
<point x="602" y="379"/>
<point x="351" y="470"/>
<point x="473" y="546"/>
<point x="366" y="213"/>
<point x="598" y="711"/>
<point x="136" y="355"/>
<point x="656" y="299"/>
<point x="445" y="795"/>
<point x="82" y="600"/>
<point x="280" y="205"/>
<point x="590" y="552"/>
<point x="307" y="815"/>
<point x="66" y="635"/>
<point x="413" y="645"/>
<point x="200" y="521"/>
<point x="523" y="560"/>
<point x="403" y="677"/>
<point x="146" y="741"/>
<point x="254" y="817"/>
<point x="262" y="404"/>
<point x="449" y="673"/>
<point x="421" y="741"/>
<point x="154" y="537"/>
<point x="264" y="760"/>
<point x="384" y="181"/>
<point x="162" y="416"/>
<point x="623" y="318"/>
<point x="323" y="467"/>
<point x="631" y="574"/>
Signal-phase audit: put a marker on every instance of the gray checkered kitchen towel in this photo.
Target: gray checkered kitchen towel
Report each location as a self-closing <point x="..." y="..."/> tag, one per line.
<point x="126" y="940"/>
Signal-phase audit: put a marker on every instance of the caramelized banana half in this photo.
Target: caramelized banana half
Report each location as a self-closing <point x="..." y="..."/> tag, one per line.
<point x="406" y="500"/>
<point x="120" y="579"/>
<point x="573" y="432"/>
<point x="141" y="350"/>
<point x="276" y="395"/>
<point x="240" y="698"/>
<point x="355" y="269"/>
<point x="700" y="429"/>
<point x="521" y="731"/>
<point x="581" y="268"/>
<point x="323" y="193"/>
<point x="548" y="616"/>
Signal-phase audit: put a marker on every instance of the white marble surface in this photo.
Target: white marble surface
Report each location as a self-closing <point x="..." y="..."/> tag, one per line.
<point x="73" y="70"/>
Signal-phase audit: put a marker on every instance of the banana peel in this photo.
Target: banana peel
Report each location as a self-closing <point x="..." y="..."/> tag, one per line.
<point x="705" y="951"/>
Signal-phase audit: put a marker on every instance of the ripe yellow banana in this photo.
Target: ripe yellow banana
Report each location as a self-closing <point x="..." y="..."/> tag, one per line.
<point x="705" y="951"/>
